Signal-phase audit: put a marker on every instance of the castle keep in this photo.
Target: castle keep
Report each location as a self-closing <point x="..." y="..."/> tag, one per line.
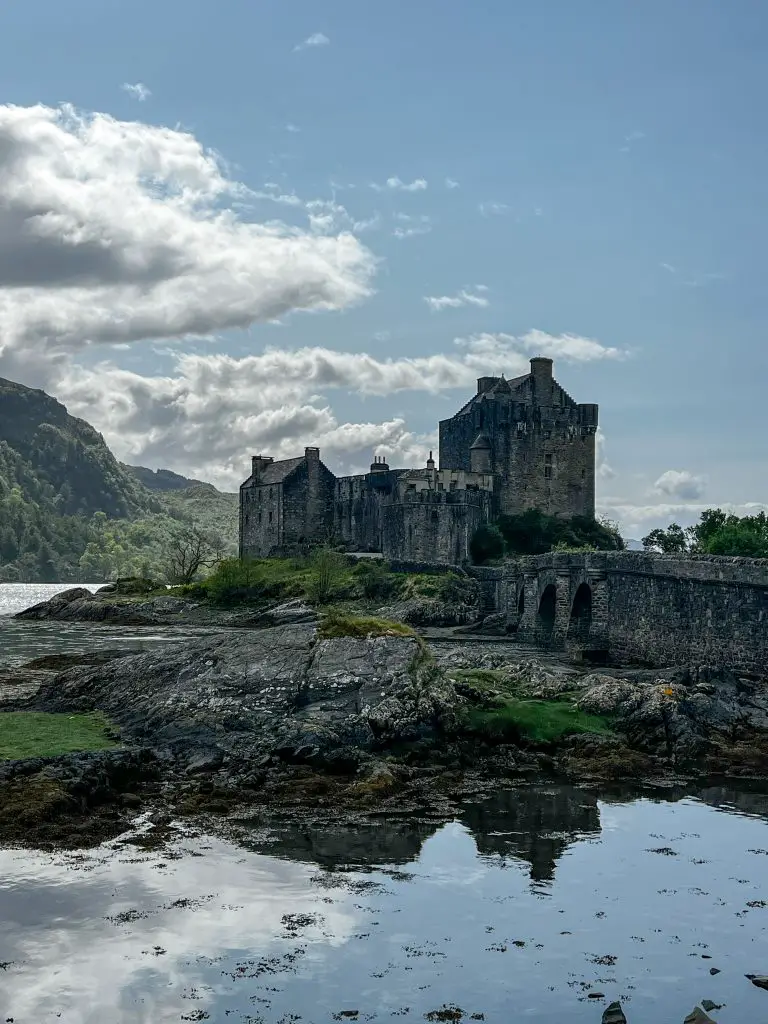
<point x="517" y="444"/>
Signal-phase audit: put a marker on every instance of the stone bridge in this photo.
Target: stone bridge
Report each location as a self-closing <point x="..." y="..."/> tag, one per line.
<point x="630" y="606"/>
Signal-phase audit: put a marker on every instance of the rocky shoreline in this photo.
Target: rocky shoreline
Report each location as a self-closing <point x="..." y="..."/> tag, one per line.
<point x="284" y="717"/>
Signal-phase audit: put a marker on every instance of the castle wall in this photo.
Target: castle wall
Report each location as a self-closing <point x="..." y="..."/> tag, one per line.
<point x="261" y="511"/>
<point x="655" y="609"/>
<point x="429" y="526"/>
<point x="357" y="509"/>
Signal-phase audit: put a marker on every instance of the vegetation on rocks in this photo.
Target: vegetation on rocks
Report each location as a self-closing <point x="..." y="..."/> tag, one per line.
<point x="37" y="734"/>
<point x="337" y="624"/>
<point x="535" y="533"/>
<point x="535" y="721"/>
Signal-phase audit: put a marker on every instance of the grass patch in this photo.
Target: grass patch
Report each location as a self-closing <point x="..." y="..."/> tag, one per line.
<point x="537" y="721"/>
<point x="36" y="734"/>
<point x="338" y="624"/>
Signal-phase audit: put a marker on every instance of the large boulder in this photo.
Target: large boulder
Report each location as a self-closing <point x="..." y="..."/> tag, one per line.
<point x="271" y="693"/>
<point x="679" y="713"/>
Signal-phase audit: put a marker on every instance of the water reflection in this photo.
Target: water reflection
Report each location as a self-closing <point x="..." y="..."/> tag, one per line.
<point x="642" y="897"/>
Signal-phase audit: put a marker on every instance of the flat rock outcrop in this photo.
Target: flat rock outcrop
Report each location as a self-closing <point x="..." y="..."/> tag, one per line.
<point x="249" y="697"/>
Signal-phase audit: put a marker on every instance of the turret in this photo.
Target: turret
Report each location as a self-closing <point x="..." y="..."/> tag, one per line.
<point x="480" y="455"/>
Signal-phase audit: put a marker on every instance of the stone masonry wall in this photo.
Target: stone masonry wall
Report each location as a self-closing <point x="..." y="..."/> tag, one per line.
<point x="655" y="609"/>
<point x="431" y="526"/>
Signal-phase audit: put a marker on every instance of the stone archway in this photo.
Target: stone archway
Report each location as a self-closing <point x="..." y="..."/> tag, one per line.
<point x="580" y="620"/>
<point x="545" y="617"/>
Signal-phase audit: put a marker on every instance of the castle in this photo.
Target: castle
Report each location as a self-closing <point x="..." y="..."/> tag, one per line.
<point x="517" y="444"/>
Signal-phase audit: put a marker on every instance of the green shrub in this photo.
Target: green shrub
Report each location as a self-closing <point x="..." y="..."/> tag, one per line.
<point x="236" y="581"/>
<point x="336" y="624"/>
<point x="533" y="533"/>
<point x="327" y="574"/>
<point x="536" y="721"/>
<point x="486" y="544"/>
<point x="375" y="579"/>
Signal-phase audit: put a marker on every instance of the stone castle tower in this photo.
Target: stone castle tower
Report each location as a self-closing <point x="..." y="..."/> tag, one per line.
<point x="517" y="444"/>
<point x="530" y="434"/>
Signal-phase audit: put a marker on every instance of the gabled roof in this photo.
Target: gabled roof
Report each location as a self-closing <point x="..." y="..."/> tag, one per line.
<point x="276" y="472"/>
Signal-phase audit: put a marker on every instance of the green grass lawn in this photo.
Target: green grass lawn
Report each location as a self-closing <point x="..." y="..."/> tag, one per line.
<point x="536" y="720"/>
<point x="337" y="624"/>
<point x="35" y="734"/>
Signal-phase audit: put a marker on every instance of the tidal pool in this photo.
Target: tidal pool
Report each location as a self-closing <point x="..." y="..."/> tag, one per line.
<point x="544" y="904"/>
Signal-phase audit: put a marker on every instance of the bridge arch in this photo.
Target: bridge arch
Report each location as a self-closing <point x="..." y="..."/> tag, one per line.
<point x="580" y="620"/>
<point x="545" y="616"/>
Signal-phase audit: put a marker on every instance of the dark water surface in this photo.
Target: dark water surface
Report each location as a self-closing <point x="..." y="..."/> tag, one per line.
<point x="521" y="909"/>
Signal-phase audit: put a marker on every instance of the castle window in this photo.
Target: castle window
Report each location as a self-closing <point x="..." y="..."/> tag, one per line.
<point x="435" y="516"/>
<point x="583" y="473"/>
<point x="259" y="518"/>
<point x="270" y="516"/>
<point x="547" y="472"/>
<point x="547" y="434"/>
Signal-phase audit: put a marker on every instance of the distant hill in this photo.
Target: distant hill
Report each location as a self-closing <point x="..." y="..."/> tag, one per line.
<point x="66" y="456"/>
<point x="163" y="479"/>
<point x="70" y="511"/>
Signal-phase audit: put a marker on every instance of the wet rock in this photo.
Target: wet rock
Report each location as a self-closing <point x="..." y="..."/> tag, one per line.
<point x="285" y="614"/>
<point x="714" y="970"/>
<point x="680" y="714"/>
<point x="614" y="1014"/>
<point x="760" y="980"/>
<point x="54" y="607"/>
<point x="698" y="1016"/>
<point x="271" y="693"/>
<point x="707" y="1004"/>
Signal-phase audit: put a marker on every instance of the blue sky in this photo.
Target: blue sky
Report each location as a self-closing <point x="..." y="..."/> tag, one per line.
<point x="599" y="168"/>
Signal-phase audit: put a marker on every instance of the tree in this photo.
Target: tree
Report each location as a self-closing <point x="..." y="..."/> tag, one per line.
<point x="189" y="551"/>
<point x="327" y="569"/>
<point x="716" y="533"/>
<point x="487" y="543"/>
<point x="673" y="540"/>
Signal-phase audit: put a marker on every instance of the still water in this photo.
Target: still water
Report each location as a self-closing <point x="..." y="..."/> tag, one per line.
<point x="542" y="904"/>
<point x="21" y="641"/>
<point x="526" y="907"/>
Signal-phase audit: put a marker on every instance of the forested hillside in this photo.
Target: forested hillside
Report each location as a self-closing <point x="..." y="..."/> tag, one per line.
<point x="70" y="511"/>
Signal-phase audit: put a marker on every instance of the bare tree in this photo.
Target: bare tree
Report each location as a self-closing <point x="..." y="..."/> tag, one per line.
<point x="191" y="550"/>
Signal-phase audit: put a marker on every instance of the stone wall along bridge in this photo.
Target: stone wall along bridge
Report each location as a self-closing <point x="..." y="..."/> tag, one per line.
<point x="628" y="606"/>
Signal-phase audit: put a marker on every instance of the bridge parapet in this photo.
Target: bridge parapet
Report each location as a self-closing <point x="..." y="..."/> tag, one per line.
<point x="635" y="605"/>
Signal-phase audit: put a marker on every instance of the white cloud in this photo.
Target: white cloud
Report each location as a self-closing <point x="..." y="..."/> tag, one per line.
<point x="293" y="128"/>
<point x="116" y="231"/>
<point x="316" y="39"/>
<point x="396" y="184"/>
<point x="630" y="139"/>
<point x="409" y="226"/>
<point x="604" y="469"/>
<point x="451" y="183"/>
<point x="493" y="209"/>
<point x="675" y="483"/>
<point x="668" y="267"/>
<point x="139" y="91"/>
<point x="213" y="411"/>
<point x="462" y="298"/>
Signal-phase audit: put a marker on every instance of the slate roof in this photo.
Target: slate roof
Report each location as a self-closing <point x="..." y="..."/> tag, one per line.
<point x="276" y="472"/>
